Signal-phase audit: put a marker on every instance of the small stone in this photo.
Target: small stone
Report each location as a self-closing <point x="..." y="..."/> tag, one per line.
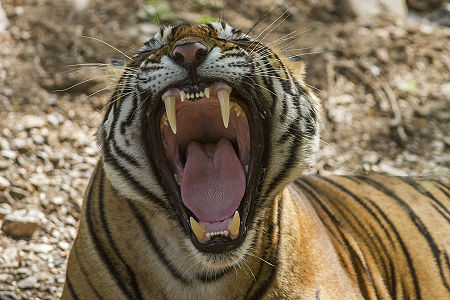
<point x="11" y="154"/>
<point x="58" y="200"/>
<point x="4" y="278"/>
<point x="371" y="158"/>
<point x="4" y="183"/>
<point x="38" y="139"/>
<point x="52" y="119"/>
<point x="20" y="144"/>
<point x="39" y="248"/>
<point x="63" y="245"/>
<point x="22" y="223"/>
<point x="71" y="220"/>
<point x="4" y="164"/>
<point x="18" y="193"/>
<point x="5" y="209"/>
<point x="39" y="180"/>
<point x="5" y="295"/>
<point x="27" y="283"/>
<point x="31" y="121"/>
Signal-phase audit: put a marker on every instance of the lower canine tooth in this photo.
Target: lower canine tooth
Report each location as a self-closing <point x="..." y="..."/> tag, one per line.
<point x="198" y="229"/>
<point x="233" y="225"/>
<point x="224" y="99"/>
<point x="169" y="103"/>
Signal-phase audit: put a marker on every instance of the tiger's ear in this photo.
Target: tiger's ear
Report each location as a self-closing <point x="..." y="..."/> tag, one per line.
<point x="297" y="66"/>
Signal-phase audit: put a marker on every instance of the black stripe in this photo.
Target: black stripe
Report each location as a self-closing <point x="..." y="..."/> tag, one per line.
<point x="417" y="222"/>
<point x="127" y="176"/>
<point x="123" y="154"/>
<point x="260" y="292"/>
<point x="156" y="248"/>
<point x="130" y="117"/>
<point x="423" y="191"/>
<point x="318" y="295"/>
<point x="287" y="165"/>
<point x="357" y="264"/>
<point x="85" y="272"/>
<point x="96" y="241"/>
<point x="392" y="226"/>
<point x="382" y="253"/>
<point x="71" y="290"/>
<point x="130" y="272"/>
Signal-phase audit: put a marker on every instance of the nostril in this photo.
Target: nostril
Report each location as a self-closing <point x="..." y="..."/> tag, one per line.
<point x="190" y="52"/>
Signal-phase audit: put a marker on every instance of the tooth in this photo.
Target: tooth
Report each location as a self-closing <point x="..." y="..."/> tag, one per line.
<point x="192" y="95"/>
<point x="226" y="232"/>
<point x="163" y="121"/>
<point x="246" y="169"/>
<point x="197" y="95"/>
<point x="201" y="94"/>
<point x="233" y="225"/>
<point x="224" y="99"/>
<point x="198" y="229"/>
<point x="188" y="96"/>
<point x="169" y="102"/>
<point x="207" y="92"/>
<point x="177" y="178"/>
<point x="182" y="96"/>
<point x="208" y="235"/>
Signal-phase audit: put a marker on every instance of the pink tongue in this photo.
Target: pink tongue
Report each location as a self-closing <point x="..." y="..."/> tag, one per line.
<point x="213" y="182"/>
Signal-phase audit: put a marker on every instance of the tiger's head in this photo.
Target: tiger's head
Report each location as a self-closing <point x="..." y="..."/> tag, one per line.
<point x="205" y="127"/>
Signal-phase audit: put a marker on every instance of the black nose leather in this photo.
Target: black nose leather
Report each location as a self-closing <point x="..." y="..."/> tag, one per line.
<point x="190" y="53"/>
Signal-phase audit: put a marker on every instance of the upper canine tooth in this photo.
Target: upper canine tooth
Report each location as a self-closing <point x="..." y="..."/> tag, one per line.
<point x="233" y="225"/>
<point x="224" y="99"/>
<point x="169" y="103"/>
<point x="198" y="229"/>
<point x="182" y="96"/>
<point x="206" y="91"/>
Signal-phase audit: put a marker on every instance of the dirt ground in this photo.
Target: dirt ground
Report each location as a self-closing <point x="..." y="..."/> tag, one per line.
<point x="384" y="84"/>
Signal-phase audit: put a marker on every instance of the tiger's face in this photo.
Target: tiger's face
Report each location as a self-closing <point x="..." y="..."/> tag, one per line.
<point x="205" y="127"/>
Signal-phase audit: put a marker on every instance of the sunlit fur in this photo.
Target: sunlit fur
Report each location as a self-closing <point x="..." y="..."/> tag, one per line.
<point x="310" y="238"/>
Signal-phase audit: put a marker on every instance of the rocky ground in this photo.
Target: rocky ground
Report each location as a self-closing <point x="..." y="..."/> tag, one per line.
<point x="384" y="85"/>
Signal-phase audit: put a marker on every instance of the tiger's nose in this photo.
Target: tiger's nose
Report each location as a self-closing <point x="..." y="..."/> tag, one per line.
<point x="189" y="53"/>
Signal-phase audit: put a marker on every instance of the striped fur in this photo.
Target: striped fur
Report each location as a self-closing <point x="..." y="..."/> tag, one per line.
<point x="369" y="237"/>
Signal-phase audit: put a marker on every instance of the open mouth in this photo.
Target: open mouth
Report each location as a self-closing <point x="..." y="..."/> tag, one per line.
<point x="206" y="137"/>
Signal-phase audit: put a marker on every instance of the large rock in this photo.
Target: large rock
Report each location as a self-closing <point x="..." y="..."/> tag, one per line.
<point x="22" y="223"/>
<point x="367" y="8"/>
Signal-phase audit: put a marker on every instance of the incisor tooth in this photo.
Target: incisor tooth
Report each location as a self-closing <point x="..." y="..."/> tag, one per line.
<point x="233" y="225"/>
<point x="206" y="92"/>
<point x="169" y="103"/>
<point x="197" y="95"/>
<point x="224" y="99"/>
<point x="198" y="229"/>
<point x="182" y="96"/>
<point x="201" y="94"/>
<point x="188" y="96"/>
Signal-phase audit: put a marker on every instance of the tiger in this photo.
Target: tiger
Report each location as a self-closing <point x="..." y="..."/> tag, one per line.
<point x="199" y="192"/>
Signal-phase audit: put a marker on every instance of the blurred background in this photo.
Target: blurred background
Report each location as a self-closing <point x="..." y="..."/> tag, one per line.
<point x="380" y="67"/>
